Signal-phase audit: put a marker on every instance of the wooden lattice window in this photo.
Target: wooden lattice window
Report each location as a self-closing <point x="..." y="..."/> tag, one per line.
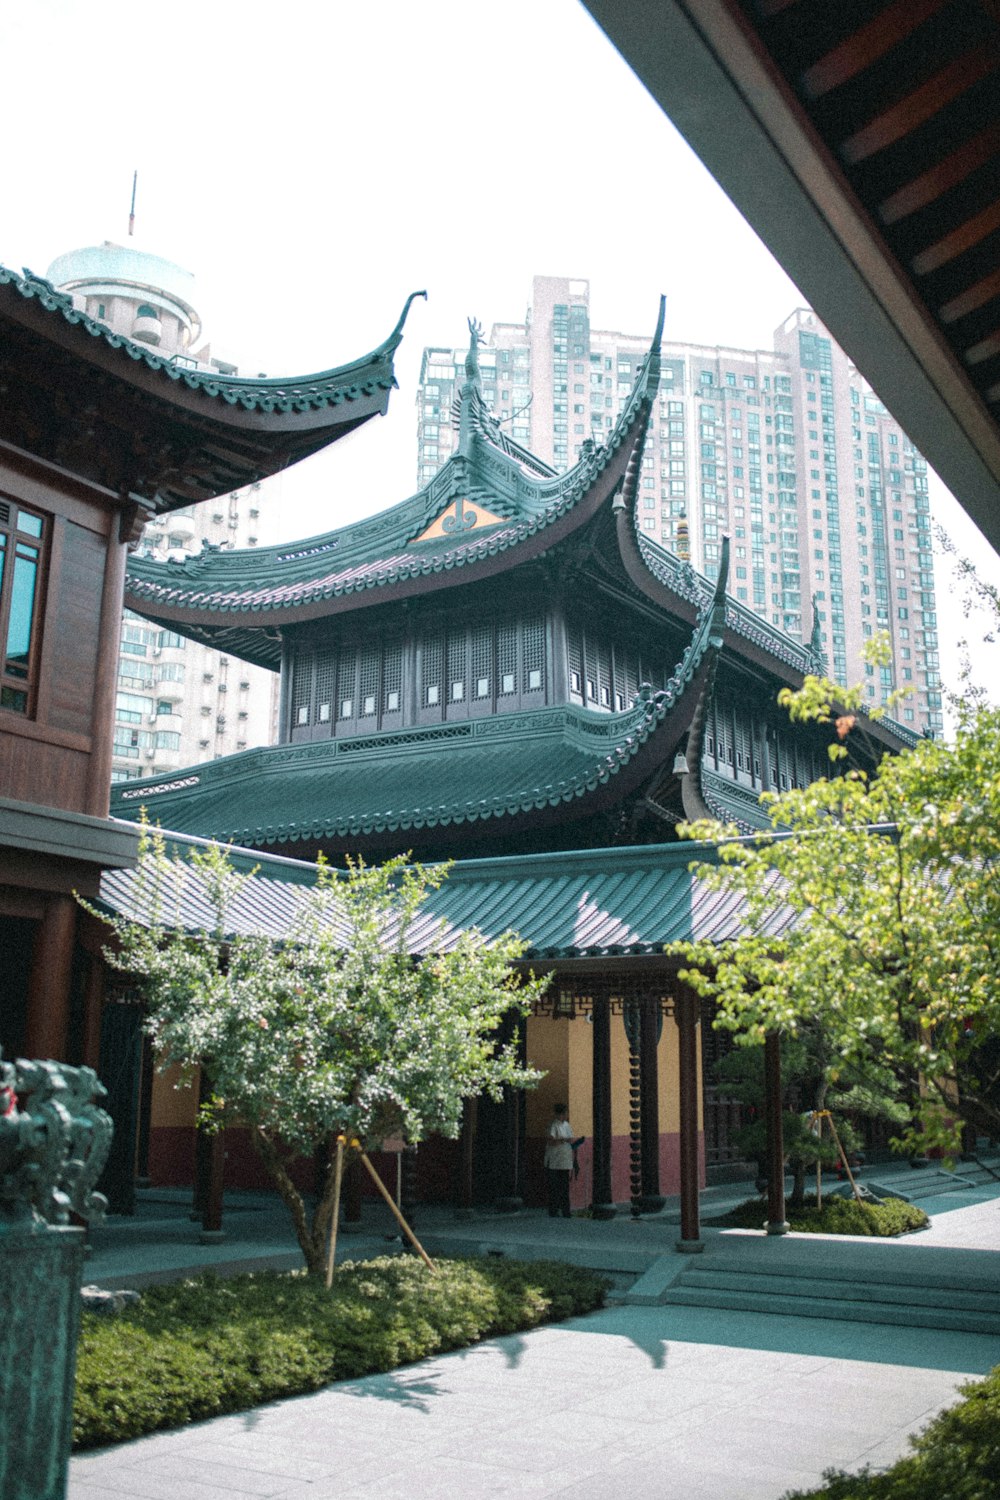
<point x="533" y="668"/>
<point x="326" y="686"/>
<point x="431" y="670"/>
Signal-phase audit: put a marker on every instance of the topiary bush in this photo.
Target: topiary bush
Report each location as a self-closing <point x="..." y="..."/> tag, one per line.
<point x="199" y="1348"/>
<point x="836" y="1216"/>
<point x="956" y="1458"/>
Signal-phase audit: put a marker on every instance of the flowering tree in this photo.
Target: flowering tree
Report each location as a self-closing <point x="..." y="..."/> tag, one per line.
<point x="874" y="909"/>
<point x="336" y="1029"/>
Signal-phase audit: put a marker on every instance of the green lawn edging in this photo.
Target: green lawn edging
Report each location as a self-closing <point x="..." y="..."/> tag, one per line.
<point x="199" y="1348"/>
<point x="957" y="1457"/>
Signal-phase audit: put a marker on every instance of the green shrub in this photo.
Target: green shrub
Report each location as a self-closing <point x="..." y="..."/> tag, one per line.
<point x="198" y="1348"/>
<point x="836" y="1216"/>
<point x="957" y="1457"/>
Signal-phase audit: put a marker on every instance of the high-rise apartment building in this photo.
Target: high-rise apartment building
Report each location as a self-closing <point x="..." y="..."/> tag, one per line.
<point x="178" y="702"/>
<point x="787" y="450"/>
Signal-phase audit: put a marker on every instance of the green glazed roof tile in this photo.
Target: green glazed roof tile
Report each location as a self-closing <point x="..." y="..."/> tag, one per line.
<point x="582" y="904"/>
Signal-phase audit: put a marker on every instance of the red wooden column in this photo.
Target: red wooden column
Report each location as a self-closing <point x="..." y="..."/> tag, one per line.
<point x="468" y="1147"/>
<point x="98" y="790"/>
<point x="93" y="1006"/>
<point x="776" y="1223"/>
<point x="46" y="1032"/>
<point x="686" y="1016"/>
<point x="210" y="1157"/>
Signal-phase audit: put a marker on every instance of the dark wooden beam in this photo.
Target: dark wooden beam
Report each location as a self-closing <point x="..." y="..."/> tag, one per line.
<point x="866" y="45"/>
<point x="776" y="1223"/>
<point x="919" y="106"/>
<point x="686" y="1016"/>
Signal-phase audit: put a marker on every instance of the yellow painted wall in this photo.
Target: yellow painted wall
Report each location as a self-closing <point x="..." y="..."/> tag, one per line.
<point x="619" y="1077"/>
<point x="562" y="1049"/>
<point x="171" y="1105"/>
<point x="666" y="1059"/>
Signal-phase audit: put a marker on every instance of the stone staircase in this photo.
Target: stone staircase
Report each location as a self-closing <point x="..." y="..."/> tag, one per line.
<point x="908" y="1287"/>
<point x="933" y="1182"/>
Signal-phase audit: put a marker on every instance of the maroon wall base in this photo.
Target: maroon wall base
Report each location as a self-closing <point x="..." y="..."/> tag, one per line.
<point x="171" y="1164"/>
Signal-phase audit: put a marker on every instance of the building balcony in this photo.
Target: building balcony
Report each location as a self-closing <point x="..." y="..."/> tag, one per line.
<point x="180" y="529"/>
<point x="147" y="330"/>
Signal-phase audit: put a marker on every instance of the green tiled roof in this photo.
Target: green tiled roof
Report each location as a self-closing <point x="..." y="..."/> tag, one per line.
<point x="233" y="597"/>
<point x="592" y="903"/>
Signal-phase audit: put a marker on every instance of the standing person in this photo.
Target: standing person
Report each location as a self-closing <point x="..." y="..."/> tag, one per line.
<point x="559" y="1162"/>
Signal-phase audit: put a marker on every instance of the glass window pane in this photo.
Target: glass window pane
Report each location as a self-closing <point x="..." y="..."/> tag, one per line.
<point x="28" y="524"/>
<point x="22" y="603"/>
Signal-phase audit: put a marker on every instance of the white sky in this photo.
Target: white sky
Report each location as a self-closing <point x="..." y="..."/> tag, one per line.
<point x="311" y="164"/>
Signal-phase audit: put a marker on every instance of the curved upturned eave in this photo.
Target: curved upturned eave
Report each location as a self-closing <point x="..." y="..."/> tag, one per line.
<point x="406" y="574"/>
<point x="403" y="572"/>
<point x="272" y="403"/>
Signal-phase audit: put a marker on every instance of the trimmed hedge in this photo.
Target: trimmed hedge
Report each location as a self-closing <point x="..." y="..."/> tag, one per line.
<point x="836" y="1216"/>
<point x="956" y="1458"/>
<point x="199" y="1348"/>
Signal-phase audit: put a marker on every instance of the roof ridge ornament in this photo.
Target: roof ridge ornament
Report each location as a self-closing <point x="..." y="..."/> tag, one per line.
<point x="816" y="641"/>
<point x="472" y="390"/>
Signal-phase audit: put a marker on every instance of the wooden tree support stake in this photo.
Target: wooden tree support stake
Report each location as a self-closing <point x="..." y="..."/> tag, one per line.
<point x="396" y="1213"/>
<point x="824" y="1115"/>
<point x="338" y="1172"/>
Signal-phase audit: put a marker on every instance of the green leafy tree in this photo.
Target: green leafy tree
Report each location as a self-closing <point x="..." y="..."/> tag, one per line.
<point x="338" y="1028"/>
<point x="874" y="907"/>
<point x="814" y="1077"/>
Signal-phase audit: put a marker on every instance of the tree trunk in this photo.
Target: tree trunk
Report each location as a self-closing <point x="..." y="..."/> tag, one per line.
<point x="292" y="1199"/>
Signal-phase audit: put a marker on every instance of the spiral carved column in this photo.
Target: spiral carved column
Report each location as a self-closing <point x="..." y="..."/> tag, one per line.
<point x="634" y="1033"/>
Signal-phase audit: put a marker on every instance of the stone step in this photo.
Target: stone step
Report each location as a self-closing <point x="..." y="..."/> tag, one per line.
<point x="895" y="1314"/>
<point x="840" y="1290"/>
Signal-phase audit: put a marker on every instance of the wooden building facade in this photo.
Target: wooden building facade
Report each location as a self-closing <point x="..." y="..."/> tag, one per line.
<point x="96" y="434"/>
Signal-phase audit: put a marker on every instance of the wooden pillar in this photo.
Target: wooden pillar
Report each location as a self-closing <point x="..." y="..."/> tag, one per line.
<point x="776" y="1223"/>
<point x="686" y="1017"/>
<point x="93" y="1006"/>
<point x="603" y="1203"/>
<point x="408" y="1186"/>
<point x="350" y="1195"/>
<point x="209" y="1160"/>
<point x="46" y="1032"/>
<point x="649" y="1101"/>
<point x="468" y="1147"/>
<point x="98" y="791"/>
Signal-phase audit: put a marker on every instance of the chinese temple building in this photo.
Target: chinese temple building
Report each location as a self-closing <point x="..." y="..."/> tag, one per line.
<point x="98" y="433"/>
<point x="506" y="670"/>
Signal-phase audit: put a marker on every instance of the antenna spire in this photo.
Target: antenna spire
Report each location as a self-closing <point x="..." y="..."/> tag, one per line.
<point x="131" y="217"/>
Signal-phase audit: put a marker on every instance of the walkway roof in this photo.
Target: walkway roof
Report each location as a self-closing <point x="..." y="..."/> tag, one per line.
<point x="861" y="140"/>
<point x="586" y="904"/>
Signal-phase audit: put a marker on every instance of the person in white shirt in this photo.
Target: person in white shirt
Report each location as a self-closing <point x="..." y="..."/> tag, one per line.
<point x="559" y="1163"/>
